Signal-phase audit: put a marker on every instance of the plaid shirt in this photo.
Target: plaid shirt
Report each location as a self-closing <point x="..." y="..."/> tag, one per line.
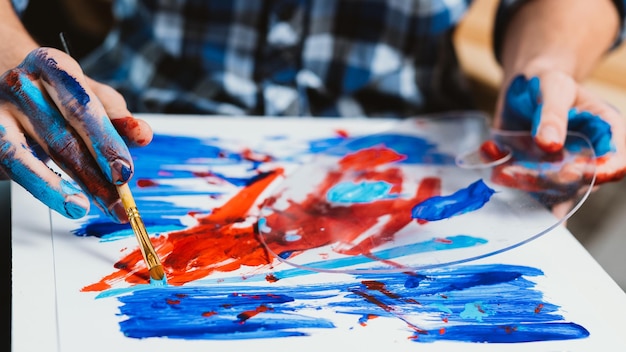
<point x="287" y="57"/>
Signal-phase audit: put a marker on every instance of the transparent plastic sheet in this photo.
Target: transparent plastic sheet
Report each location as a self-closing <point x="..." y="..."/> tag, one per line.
<point x="432" y="191"/>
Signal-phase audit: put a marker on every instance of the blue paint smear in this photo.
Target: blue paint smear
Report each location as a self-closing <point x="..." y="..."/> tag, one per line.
<point x="517" y="310"/>
<point x="109" y="231"/>
<point x="362" y="192"/>
<point x="474" y="197"/>
<point x="416" y="150"/>
<point x="597" y="130"/>
<point x="432" y="245"/>
<point x="513" y="333"/>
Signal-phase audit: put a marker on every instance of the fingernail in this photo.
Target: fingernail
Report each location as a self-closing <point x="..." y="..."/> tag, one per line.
<point x="76" y="204"/>
<point x="118" y="213"/>
<point x="549" y="138"/>
<point x="120" y="171"/>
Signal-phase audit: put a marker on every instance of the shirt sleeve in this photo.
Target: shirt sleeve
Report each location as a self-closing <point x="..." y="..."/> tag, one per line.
<point x="19" y="6"/>
<point x="507" y="8"/>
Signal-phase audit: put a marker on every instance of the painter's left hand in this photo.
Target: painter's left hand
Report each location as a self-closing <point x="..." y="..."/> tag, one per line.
<point x="50" y="110"/>
<point x="549" y="104"/>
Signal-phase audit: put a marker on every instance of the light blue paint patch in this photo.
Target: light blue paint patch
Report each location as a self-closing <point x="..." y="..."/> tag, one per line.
<point x="42" y="111"/>
<point x="450" y="242"/>
<point x="291" y="237"/>
<point x="105" y="140"/>
<point x="125" y="233"/>
<point x="441" y="307"/>
<point x="474" y="311"/>
<point x="123" y="291"/>
<point x="159" y="283"/>
<point x="69" y="188"/>
<point x="362" y="192"/>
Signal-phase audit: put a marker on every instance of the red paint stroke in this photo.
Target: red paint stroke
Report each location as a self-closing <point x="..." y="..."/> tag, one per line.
<point x="342" y="133"/>
<point x="271" y="278"/>
<point x="510" y="329"/>
<point x="368" y="158"/>
<point x="129" y="126"/>
<point x="538" y="308"/>
<point x="610" y="175"/>
<point x="380" y="287"/>
<point x="551" y="147"/>
<point x="226" y="240"/>
<point x="144" y="183"/>
<point x="315" y="216"/>
<point x="367" y="318"/>
<point x="209" y="314"/>
<point x="202" y="174"/>
<point x="222" y="241"/>
<point x="491" y="151"/>
<point x="248" y="154"/>
<point x="251" y="313"/>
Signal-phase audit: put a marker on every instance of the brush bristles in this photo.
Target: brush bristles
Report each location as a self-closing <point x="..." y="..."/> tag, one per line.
<point x="157" y="273"/>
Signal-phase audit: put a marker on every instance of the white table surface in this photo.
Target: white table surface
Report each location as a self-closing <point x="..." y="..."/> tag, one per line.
<point x="572" y="279"/>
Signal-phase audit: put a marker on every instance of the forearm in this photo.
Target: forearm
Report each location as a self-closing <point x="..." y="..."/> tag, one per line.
<point x="15" y="42"/>
<point x="570" y="36"/>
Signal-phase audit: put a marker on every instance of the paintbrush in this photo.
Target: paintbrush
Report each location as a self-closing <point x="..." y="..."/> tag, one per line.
<point x="136" y="223"/>
<point x="147" y="250"/>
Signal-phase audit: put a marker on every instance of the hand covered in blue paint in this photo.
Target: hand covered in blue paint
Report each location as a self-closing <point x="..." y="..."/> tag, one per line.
<point x="50" y="110"/>
<point x="552" y="103"/>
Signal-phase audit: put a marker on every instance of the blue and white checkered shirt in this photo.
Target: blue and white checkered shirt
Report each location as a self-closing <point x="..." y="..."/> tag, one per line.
<point x="287" y="57"/>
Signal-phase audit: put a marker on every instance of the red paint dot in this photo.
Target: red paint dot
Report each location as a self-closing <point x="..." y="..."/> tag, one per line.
<point x="146" y="183"/>
<point x="342" y="133"/>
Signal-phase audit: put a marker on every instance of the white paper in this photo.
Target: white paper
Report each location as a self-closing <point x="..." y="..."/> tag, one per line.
<point x="51" y="313"/>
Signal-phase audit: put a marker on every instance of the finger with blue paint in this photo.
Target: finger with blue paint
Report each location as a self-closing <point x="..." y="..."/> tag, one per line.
<point x="552" y="104"/>
<point x="48" y="99"/>
<point x="20" y="163"/>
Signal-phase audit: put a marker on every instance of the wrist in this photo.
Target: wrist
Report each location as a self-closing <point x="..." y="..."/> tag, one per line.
<point x="15" y="41"/>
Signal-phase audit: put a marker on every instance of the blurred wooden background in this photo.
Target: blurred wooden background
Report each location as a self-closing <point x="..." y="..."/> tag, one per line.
<point x="473" y="43"/>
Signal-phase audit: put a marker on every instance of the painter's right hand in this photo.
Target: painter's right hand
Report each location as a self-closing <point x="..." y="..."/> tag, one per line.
<point x="49" y="109"/>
